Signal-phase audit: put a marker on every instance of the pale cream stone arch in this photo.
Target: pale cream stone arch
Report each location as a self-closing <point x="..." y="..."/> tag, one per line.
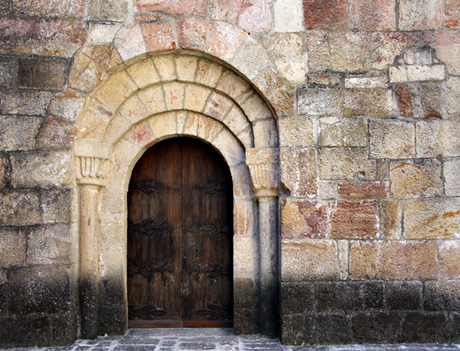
<point x="152" y="98"/>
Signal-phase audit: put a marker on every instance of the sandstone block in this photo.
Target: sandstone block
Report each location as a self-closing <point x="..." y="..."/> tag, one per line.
<point x="85" y="74"/>
<point x="130" y="42"/>
<point x="218" y="9"/>
<point x="42" y="73"/>
<point x="65" y="106"/>
<point x="111" y="200"/>
<point x="350" y="51"/>
<point x="449" y="251"/>
<point x="8" y="71"/>
<point x="303" y="219"/>
<point x="422" y="101"/>
<point x="56" y="205"/>
<point x="174" y="95"/>
<point x="57" y="133"/>
<point x="143" y="73"/>
<point x="418" y="56"/>
<point x="116" y="90"/>
<point x="102" y="33"/>
<point x="142" y="134"/>
<point x="288" y="16"/>
<point x="236" y="120"/>
<point x="111" y="10"/>
<point x="398" y="260"/>
<point x="334" y="131"/>
<point x="391" y="219"/>
<point x="327" y="190"/>
<point x="244" y="248"/>
<point x="436" y="138"/>
<point x="346" y="164"/>
<point x="265" y="133"/>
<point x="153" y="99"/>
<point x="196" y="97"/>
<point x="400" y="74"/>
<point x="298" y="171"/>
<point x="363" y="190"/>
<point x="391" y="139"/>
<point x="50" y="244"/>
<point x="416" y="15"/>
<point x="296" y="131"/>
<point x="186" y="67"/>
<point x="319" y="56"/>
<point x="442" y="295"/>
<point x="224" y="40"/>
<point x="13" y="247"/>
<point x="243" y="217"/>
<point x="218" y="106"/>
<point x="370" y="102"/>
<point x="366" y="82"/>
<point x="255" y="108"/>
<point x="192" y="32"/>
<point x="159" y="36"/>
<point x="20" y="208"/>
<point x="309" y="260"/>
<point x="25" y="102"/>
<point x="285" y="46"/>
<point x="372" y="15"/>
<point x="124" y="152"/>
<point x="451" y="170"/>
<point x="386" y="46"/>
<point x="453" y="93"/>
<point x="432" y="218"/>
<point x="319" y="102"/>
<point x="405" y="295"/>
<point x="229" y="83"/>
<point x="452" y="14"/>
<point x="447" y="46"/>
<point x="166" y="67"/>
<point x="190" y="7"/>
<point x="404" y="98"/>
<point x="43" y="169"/>
<point x="323" y="14"/>
<point x="418" y="178"/>
<point x="354" y="219"/>
<point x="251" y="58"/>
<point x="253" y="17"/>
<point x="325" y="78"/>
<point x="205" y="128"/>
<point x="18" y="133"/>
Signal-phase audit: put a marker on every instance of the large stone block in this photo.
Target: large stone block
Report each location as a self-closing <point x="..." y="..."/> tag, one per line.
<point x="442" y="295"/>
<point x="346" y="163"/>
<point x="325" y="14"/>
<point x="303" y="219"/>
<point x="251" y="58"/>
<point x="288" y="16"/>
<point x="401" y="74"/>
<point x="421" y="15"/>
<point x="25" y="102"/>
<point x="56" y="205"/>
<point x="334" y="131"/>
<point x="449" y="251"/>
<point x="190" y="7"/>
<point x="425" y="101"/>
<point x="42" y="73"/>
<point x="452" y="14"/>
<point x="373" y="15"/>
<point x="424" y="327"/>
<point x="111" y="10"/>
<point x="224" y="40"/>
<point x="418" y="178"/>
<point x="12" y="248"/>
<point x="18" y="133"/>
<point x="354" y="219"/>
<point x="297" y="297"/>
<point x="192" y="32"/>
<point x="432" y="218"/>
<point x="438" y="138"/>
<point x="391" y="219"/>
<point x="404" y="295"/>
<point x="447" y="46"/>
<point x="57" y="133"/>
<point x="379" y="327"/>
<point x="296" y="131"/>
<point x="50" y="244"/>
<point x="319" y="55"/>
<point x="387" y="45"/>
<point x="20" y="208"/>
<point x="309" y="260"/>
<point x="43" y="169"/>
<point x="369" y="102"/>
<point x="319" y="102"/>
<point x="350" y="51"/>
<point x="50" y="8"/>
<point x="392" y="139"/>
<point x="159" y="36"/>
<point x="338" y="296"/>
<point x="327" y="328"/>
<point x="299" y="171"/>
<point x="363" y="190"/>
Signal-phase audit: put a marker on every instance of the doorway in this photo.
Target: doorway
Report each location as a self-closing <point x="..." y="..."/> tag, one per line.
<point x="180" y="232"/>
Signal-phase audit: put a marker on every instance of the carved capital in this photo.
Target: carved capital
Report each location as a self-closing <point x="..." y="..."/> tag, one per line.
<point x="91" y="162"/>
<point x="264" y="167"/>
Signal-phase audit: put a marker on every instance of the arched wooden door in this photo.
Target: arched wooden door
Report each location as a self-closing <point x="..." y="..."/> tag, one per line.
<point x="180" y="230"/>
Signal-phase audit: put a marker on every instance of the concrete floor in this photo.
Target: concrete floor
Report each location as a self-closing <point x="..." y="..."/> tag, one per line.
<point x="222" y="339"/>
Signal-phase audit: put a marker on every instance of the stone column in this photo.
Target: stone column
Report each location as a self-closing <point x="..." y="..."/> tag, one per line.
<point x="264" y="167"/>
<point x="90" y="162"/>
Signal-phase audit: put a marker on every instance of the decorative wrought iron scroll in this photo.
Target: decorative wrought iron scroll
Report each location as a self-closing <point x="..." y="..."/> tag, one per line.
<point x="214" y="269"/>
<point x="148" y="269"/>
<point x="147" y="312"/>
<point x="212" y="186"/>
<point x="149" y="228"/>
<point x="210" y="229"/>
<point x="147" y="185"/>
<point x="216" y="313"/>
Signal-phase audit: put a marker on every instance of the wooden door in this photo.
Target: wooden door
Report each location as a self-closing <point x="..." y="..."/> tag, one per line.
<point x="180" y="230"/>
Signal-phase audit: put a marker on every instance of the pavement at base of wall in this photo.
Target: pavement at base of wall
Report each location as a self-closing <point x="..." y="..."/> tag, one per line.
<point x="221" y="339"/>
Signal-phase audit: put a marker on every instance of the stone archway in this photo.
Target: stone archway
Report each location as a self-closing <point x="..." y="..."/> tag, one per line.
<point x="146" y="100"/>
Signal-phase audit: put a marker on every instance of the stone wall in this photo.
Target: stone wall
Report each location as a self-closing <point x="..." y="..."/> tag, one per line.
<point x="366" y="96"/>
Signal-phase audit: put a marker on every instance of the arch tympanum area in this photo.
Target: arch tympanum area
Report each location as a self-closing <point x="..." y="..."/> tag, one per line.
<point x="144" y="101"/>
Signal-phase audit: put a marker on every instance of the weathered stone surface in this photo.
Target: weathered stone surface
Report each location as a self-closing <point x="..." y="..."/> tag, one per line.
<point x="288" y="16"/>
<point x="33" y="36"/>
<point x="346" y="164"/>
<point x="404" y="100"/>
<point x="354" y="219"/>
<point x="251" y="58"/>
<point x="6" y="8"/>
<point x="424" y="327"/>
<point x="400" y="74"/>
<point x="398" y="260"/>
<point x="8" y="72"/>
<point x="102" y="33"/>
<point x="56" y="205"/>
<point x="159" y="36"/>
<point x="40" y="169"/>
<point x="386" y="46"/>
<point x="25" y="102"/>
<point x="327" y="328"/>
<point x="432" y="218"/>
<point x="12" y="248"/>
<point x="350" y="51"/>
<point x="324" y="14"/>
<point x="366" y="82"/>
<point x="309" y="260"/>
<point x="303" y="219"/>
<point x="50" y="244"/>
<point x="297" y="297"/>
<point x="374" y="15"/>
<point x="19" y="208"/>
<point x="376" y="327"/>
<point x="449" y="264"/>
<point x="392" y="139"/>
<point x="67" y="105"/>
<point x="190" y="7"/>
<point x="404" y="295"/>
<point x="224" y="40"/>
<point x="130" y="42"/>
<point x="192" y="32"/>
<point x="451" y="170"/>
<point x="342" y="132"/>
<point x="338" y="296"/>
<point x="452" y="14"/>
<point x="447" y="46"/>
<point x="436" y="138"/>
<point x="319" y="102"/>
<point x="363" y="190"/>
<point x="254" y="16"/>
<point x="296" y="131"/>
<point x="418" y="178"/>
<point x="110" y="10"/>
<point x="319" y="56"/>
<point x="47" y="8"/>
<point x="391" y="219"/>
<point x="327" y="190"/>
<point x="57" y="133"/>
<point x="298" y="171"/>
<point x="421" y="15"/>
<point x="442" y="295"/>
<point x="453" y="93"/>
<point x="18" y="133"/>
<point x="370" y="102"/>
<point x="418" y="56"/>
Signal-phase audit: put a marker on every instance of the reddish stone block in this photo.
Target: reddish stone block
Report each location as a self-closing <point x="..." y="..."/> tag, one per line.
<point x="253" y="16"/>
<point x="421" y="15"/>
<point x="49" y="8"/>
<point x="224" y="40"/>
<point x="159" y="36"/>
<point x="57" y="133"/>
<point x="148" y="17"/>
<point x="42" y="72"/>
<point x="386" y="46"/>
<point x="299" y="171"/>
<point x="354" y="219"/>
<point x="452" y="13"/>
<point x="141" y="135"/>
<point x="303" y="219"/>
<point x="192" y="32"/>
<point x="105" y="56"/>
<point x="325" y="14"/>
<point x="363" y="190"/>
<point x="372" y="15"/>
<point x="404" y="100"/>
<point x="219" y="9"/>
<point x="183" y="7"/>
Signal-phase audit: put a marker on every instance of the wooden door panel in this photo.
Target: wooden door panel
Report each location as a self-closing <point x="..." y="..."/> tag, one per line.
<point x="180" y="237"/>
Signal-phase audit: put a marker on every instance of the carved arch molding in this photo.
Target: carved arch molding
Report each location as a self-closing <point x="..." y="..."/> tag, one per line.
<point x="149" y="99"/>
